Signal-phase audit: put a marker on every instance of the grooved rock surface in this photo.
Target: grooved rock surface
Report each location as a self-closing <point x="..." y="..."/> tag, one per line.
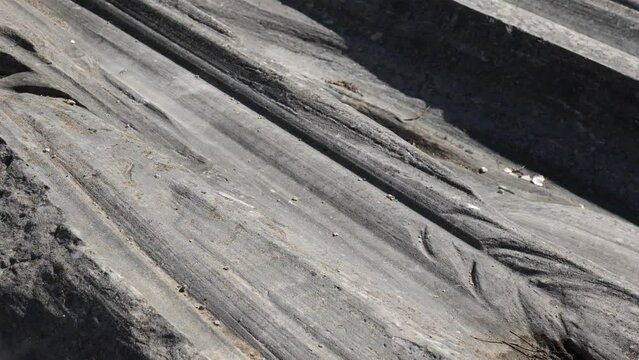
<point x="57" y="303"/>
<point x="299" y="180"/>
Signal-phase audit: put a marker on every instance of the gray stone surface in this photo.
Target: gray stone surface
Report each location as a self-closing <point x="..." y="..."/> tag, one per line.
<point x="264" y="179"/>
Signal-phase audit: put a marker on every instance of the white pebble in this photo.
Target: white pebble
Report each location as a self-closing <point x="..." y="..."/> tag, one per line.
<point x="538" y="180"/>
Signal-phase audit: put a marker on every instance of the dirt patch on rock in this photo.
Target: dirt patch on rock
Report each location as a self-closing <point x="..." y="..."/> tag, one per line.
<point x="55" y="301"/>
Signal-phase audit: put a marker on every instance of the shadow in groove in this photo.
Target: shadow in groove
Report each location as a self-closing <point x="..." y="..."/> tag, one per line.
<point x="563" y="116"/>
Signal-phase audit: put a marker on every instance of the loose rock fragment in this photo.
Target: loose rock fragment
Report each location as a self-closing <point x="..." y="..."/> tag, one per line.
<point x="514" y="172"/>
<point x="217" y="323"/>
<point x="46" y="150"/>
<point x="391" y="197"/>
<point x="482" y="170"/>
<point x="538" y="180"/>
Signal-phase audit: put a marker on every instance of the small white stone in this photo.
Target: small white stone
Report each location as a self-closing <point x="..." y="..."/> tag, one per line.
<point x="482" y="170"/>
<point x="538" y="180"/>
<point x="72" y="41"/>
